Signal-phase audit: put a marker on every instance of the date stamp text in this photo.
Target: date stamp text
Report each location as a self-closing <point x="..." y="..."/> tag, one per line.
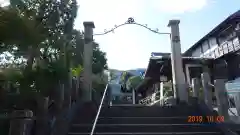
<point x="205" y="119"/>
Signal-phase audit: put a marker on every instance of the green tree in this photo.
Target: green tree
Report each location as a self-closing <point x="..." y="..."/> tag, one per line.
<point x="99" y="60"/>
<point x="133" y="82"/>
<point x="40" y="33"/>
<point x="124" y="77"/>
<point x="112" y="75"/>
<point x="77" y="71"/>
<point x="99" y="57"/>
<point x="123" y="80"/>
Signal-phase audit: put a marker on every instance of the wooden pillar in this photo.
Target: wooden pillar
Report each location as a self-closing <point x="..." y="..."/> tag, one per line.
<point x="195" y="87"/>
<point x="179" y="82"/>
<point x="187" y="74"/>
<point x="207" y="91"/>
<point x="21" y="122"/>
<point x="87" y="62"/>
<point x="222" y="98"/>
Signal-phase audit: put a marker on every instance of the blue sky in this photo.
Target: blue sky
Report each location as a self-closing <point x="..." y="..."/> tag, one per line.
<point x="130" y="46"/>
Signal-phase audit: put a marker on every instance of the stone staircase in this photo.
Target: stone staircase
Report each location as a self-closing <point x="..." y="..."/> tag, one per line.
<point x="143" y="120"/>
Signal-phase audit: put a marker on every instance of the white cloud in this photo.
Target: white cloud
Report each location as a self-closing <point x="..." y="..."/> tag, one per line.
<point x="180" y="6"/>
<point x="129" y="47"/>
<point x="108" y="12"/>
<point x="4" y="3"/>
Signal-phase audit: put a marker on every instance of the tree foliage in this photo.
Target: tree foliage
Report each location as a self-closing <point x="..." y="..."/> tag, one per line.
<point x="123" y="80"/>
<point x="133" y="82"/>
<point x="99" y="60"/>
<point x="41" y="33"/>
<point x="112" y="75"/>
<point x="124" y="77"/>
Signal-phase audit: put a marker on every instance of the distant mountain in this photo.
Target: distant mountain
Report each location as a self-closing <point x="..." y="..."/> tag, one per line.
<point x="138" y="71"/>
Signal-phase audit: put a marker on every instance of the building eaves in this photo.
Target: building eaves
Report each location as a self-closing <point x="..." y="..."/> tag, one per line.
<point x="211" y="33"/>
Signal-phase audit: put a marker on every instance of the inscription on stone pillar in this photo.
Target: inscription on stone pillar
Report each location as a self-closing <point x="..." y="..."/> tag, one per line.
<point x="176" y="39"/>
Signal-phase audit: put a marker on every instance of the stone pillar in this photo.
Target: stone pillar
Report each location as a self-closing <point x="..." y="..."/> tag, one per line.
<point x="133" y="96"/>
<point x="60" y="97"/>
<point x="75" y="87"/>
<point x="78" y="88"/>
<point x="237" y="102"/>
<point x="222" y="98"/>
<point x="60" y="118"/>
<point x="161" y="93"/>
<point x="179" y="82"/>
<point x="161" y="90"/>
<point x="87" y="62"/>
<point x="109" y="95"/>
<point x="195" y="87"/>
<point x="21" y="122"/>
<point x="153" y="97"/>
<point x="42" y="119"/>
<point x="68" y="91"/>
<point x="207" y="91"/>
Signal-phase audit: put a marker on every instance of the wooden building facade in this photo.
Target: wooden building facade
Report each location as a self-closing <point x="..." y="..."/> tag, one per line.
<point x="218" y="52"/>
<point x="223" y="45"/>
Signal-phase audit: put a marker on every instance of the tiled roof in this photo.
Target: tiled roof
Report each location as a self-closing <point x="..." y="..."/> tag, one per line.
<point x="187" y="58"/>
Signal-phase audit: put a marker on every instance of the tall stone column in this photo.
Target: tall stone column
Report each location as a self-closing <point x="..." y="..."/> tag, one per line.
<point x="179" y="83"/>
<point x="133" y="96"/>
<point x="87" y="62"/>
<point x="42" y="119"/>
<point x="161" y="90"/>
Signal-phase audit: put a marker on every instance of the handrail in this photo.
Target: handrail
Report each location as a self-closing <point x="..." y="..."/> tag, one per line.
<point x="148" y="99"/>
<point x="99" y="110"/>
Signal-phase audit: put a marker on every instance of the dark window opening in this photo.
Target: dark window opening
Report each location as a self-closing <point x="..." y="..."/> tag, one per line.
<point x="195" y="72"/>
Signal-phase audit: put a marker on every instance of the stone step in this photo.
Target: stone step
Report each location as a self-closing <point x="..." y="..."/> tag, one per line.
<point x="140" y="106"/>
<point x="136" y="128"/>
<point x="151" y="133"/>
<point x="141" y="120"/>
<point x="149" y="113"/>
<point x="149" y="108"/>
<point x="137" y="120"/>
